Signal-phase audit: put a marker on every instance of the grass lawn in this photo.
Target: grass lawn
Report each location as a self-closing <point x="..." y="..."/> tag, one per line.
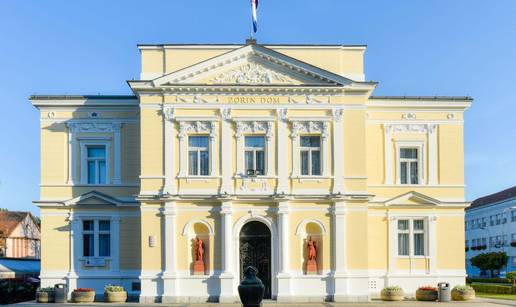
<point x="511" y="297"/>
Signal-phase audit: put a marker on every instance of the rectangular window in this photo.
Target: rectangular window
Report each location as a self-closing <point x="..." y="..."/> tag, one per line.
<point x="411" y="237"/>
<point x="403" y="237"/>
<point x="198" y="156"/>
<point x="513" y="216"/>
<point x="484" y="222"/>
<point x="255" y="155"/>
<point x="491" y="220"/>
<point x="310" y="155"/>
<point x="409" y="166"/>
<point x="96" y="231"/>
<point x="96" y="164"/>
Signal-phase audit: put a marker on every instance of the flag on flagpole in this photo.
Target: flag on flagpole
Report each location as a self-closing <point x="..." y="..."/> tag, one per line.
<point x="254" y="4"/>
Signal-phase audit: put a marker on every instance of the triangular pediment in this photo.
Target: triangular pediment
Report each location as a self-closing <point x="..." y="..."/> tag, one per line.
<point x="252" y="65"/>
<point x="413" y="199"/>
<point x="93" y="198"/>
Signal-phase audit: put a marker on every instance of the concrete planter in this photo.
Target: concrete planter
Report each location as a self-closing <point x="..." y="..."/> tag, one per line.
<point x="115" y="297"/>
<point x="390" y="295"/>
<point x="426" y="295"/>
<point x="83" y="297"/>
<point x="463" y="295"/>
<point x="45" y="297"/>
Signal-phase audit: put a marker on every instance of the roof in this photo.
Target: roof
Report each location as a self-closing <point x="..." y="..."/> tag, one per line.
<point x="493" y="198"/>
<point x="74" y="97"/>
<point x="10" y="219"/>
<point x="263" y="44"/>
<point x="423" y="98"/>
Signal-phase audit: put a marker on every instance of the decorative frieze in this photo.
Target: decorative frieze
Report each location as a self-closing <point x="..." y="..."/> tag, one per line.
<point x="186" y="127"/>
<point x="251" y="73"/>
<point x="309" y="127"/>
<point x="254" y="127"/>
<point x="94" y="127"/>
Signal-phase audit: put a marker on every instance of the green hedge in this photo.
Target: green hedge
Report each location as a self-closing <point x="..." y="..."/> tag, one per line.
<point x="494" y="289"/>
<point x="488" y="280"/>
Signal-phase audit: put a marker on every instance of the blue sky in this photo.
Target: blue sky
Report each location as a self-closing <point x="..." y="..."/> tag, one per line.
<point x="415" y="47"/>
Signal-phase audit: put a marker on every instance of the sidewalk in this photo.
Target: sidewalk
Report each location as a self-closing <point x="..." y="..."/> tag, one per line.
<point x="479" y="302"/>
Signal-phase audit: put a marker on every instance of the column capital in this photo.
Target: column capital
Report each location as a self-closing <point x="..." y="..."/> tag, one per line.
<point x="283" y="207"/>
<point x="168" y="112"/>
<point x="169" y="209"/>
<point x="339" y="208"/>
<point x="226" y="207"/>
<point x="226" y="114"/>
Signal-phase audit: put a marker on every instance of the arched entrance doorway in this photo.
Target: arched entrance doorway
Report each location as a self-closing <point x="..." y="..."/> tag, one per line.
<point x="255" y="250"/>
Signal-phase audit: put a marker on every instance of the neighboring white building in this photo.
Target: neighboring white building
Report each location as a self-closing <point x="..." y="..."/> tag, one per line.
<point x="490" y="225"/>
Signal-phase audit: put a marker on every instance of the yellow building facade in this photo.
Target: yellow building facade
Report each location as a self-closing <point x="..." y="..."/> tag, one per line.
<point x="256" y="150"/>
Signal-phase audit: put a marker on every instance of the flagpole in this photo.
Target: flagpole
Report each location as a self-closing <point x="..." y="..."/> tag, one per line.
<point x="251" y="25"/>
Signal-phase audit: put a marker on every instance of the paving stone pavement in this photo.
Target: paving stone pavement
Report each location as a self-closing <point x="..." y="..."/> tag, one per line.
<point x="479" y="302"/>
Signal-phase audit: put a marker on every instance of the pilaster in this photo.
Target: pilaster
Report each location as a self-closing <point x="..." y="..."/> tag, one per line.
<point x="281" y="151"/>
<point x="117" y="151"/>
<point x="226" y="158"/>
<point x="284" y="276"/>
<point x="170" y="277"/>
<point x="339" y="243"/>
<point x="388" y="158"/>
<point x="168" y="126"/>
<point x="338" y="152"/>
<point x="227" y="291"/>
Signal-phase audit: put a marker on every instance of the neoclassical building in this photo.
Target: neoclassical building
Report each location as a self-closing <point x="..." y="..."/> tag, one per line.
<point x="257" y="150"/>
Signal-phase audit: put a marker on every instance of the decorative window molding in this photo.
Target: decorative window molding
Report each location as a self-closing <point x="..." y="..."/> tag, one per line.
<point x="187" y="128"/>
<point x="86" y="143"/>
<point x="421" y="159"/>
<point x="94" y="127"/>
<point x="309" y="127"/>
<point x="431" y="141"/>
<point x="254" y="128"/>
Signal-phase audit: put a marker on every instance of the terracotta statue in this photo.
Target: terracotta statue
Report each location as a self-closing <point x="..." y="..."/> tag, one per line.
<point x="199" y="250"/>
<point x="198" y="267"/>
<point x="311" y="264"/>
<point x="312" y="249"/>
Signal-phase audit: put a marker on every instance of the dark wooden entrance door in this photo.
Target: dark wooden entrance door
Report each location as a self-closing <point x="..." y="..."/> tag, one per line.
<point x="255" y="250"/>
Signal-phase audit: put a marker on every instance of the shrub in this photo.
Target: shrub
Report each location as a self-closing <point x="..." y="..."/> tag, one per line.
<point x="113" y="288"/>
<point x="488" y="280"/>
<point x="84" y="290"/>
<point x="511" y="276"/>
<point x="47" y="289"/>
<point x="494" y="289"/>
<point x="427" y="288"/>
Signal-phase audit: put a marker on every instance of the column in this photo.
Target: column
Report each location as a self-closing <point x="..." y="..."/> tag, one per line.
<point x="338" y="152"/>
<point x="294" y="135"/>
<point x="170" y="293"/>
<point x="388" y="159"/>
<point x="284" y="291"/>
<point x="72" y="156"/>
<point x="226" y="155"/>
<point x="183" y="149"/>
<point x="115" y="244"/>
<point x="268" y="147"/>
<point x="213" y="144"/>
<point x="239" y="149"/>
<point x="75" y="232"/>
<point x="281" y="149"/>
<point x="432" y="245"/>
<point x="393" y="246"/>
<point x="339" y="244"/>
<point x="168" y="126"/>
<point x="227" y="293"/>
<point x="325" y="146"/>
<point x="432" y="154"/>
<point x="117" y="150"/>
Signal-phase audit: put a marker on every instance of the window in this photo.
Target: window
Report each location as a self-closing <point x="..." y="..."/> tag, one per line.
<point x="198" y="156"/>
<point x="409" y="166"/>
<point x="96" y="238"/>
<point x="255" y="155"/>
<point x="484" y="222"/>
<point x="498" y="219"/>
<point x="465" y="225"/>
<point x="96" y="164"/>
<point x="513" y="216"/>
<point x="466" y="243"/>
<point x="491" y="220"/>
<point x="411" y="237"/>
<point x="310" y="155"/>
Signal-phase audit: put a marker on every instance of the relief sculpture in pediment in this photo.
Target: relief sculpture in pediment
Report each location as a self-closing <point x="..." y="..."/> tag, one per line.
<point x="251" y="73"/>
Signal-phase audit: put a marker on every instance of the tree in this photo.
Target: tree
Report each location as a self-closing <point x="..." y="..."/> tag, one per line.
<point x="490" y="261"/>
<point x="512" y="277"/>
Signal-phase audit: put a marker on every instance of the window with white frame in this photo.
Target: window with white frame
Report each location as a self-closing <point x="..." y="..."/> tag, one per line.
<point x="255" y="155"/>
<point x="198" y="156"/>
<point x="409" y="165"/>
<point x="96" y="164"/>
<point x="96" y="238"/>
<point x="310" y="152"/>
<point x="411" y="237"/>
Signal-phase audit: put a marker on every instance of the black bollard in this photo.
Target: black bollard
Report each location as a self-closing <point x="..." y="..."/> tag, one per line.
<point x="251" y="288"/>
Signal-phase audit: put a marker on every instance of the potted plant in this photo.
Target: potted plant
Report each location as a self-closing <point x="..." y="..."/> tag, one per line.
<point x="392" y="293"/>
<point x="83" y="295"/>
<point x="45" y="295"/>
<point x="462" y="293"/>
<point x="426" y="293"/>
<point x="114" y="294"/>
